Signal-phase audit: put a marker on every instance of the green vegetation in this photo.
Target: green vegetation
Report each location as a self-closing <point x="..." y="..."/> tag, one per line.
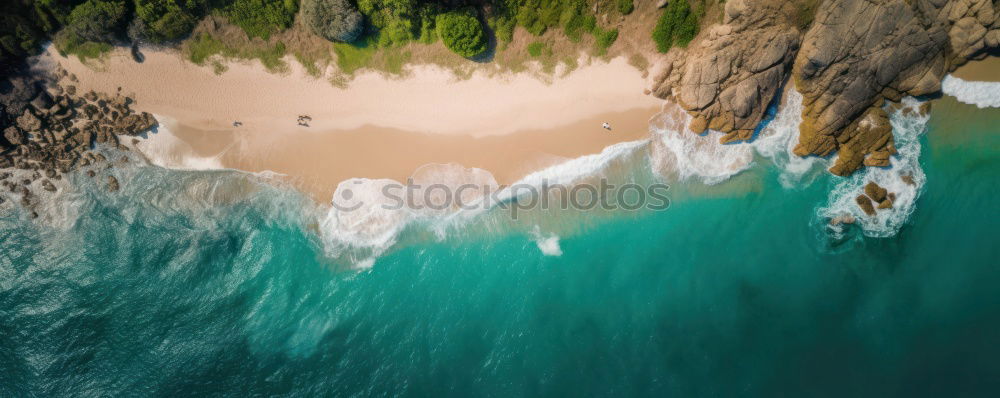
<point x="90" y="27"/>
<point x="535" y="49"/>
<point x="676" y="26"/>
<point x="350" y="58"/>
<point x="605" y="38"/>
<point x="625" y="7"/>
<point x="334" y="20"/>
<point x="397" y="22"/>
<point x="161" y="21"/>
<point x="462" y="33"/>
<point x="201" y="49"/>
<point x="260" y="18"/>
<point x="368" y="32"/>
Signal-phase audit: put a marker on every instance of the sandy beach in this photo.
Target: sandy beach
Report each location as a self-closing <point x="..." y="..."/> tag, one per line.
<point x="378" y="126"/>
<point x="984" y="70"/>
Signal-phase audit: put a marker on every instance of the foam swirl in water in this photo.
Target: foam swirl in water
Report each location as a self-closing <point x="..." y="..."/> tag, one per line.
<point x="907" y="126"/>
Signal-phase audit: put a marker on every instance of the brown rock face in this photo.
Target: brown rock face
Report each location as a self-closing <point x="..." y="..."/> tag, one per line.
<point x="865" y="204"/>
<point x="874" y="191"/>
<point x="859" y="52"/>
<point x="729" y="76"/>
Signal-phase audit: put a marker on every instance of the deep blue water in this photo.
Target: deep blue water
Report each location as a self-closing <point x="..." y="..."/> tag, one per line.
<point x="214" y="283"/>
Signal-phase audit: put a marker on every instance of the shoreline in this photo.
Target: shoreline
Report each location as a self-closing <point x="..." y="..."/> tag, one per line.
<point x="428" y="100"/>
<point x="317" y="162"/>
<point x="984" y="70"/>
<point x="378" y="126"/>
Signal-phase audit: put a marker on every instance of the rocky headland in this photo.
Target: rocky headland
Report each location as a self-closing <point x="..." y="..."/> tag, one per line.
<point x="854" y="56"/>
<point x="49" y="129"/>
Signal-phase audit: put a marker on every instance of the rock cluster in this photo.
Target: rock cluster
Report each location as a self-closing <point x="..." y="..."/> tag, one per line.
<point x="49" y="130"/>
<point x="861" y="52"/>
<point x="875" y="197"/>
<point x="728" y="77"/>
<point x="856" y="55"/>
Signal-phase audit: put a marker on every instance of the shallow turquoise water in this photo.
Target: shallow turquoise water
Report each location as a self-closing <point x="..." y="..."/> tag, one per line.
<point x="213" y="283"/>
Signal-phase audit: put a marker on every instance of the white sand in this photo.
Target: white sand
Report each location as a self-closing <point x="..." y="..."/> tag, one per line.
<point x="429" y="99"/>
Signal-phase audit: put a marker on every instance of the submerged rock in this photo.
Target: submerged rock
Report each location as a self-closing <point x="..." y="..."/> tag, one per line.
<point x="112" y="184"/>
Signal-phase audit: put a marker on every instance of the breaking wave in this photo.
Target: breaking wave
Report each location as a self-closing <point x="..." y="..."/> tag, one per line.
<point x="980" y="94"/>
<point x="908" y="124"/>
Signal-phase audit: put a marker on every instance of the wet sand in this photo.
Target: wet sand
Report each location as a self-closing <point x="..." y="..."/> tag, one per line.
<point x="986" y="70"/>
<point x="318" y="161"/>
<point x="378" y="126"/>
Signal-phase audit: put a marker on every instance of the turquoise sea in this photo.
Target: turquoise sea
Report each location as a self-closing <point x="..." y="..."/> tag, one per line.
<point x="221" y="283"/>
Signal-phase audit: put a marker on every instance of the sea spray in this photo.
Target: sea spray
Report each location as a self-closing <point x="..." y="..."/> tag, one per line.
<point x="682" y="154"/>
<point x="367" y="217"/>
<point x="980" y="94"/>
<point x="164" y="149"/>
<point x="778" y="140"/>
<point x="908" y="124"/>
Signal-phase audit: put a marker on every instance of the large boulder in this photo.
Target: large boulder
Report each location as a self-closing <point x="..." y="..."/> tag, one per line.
<point x="727" y="78"/>
<point x="859" y="52"/>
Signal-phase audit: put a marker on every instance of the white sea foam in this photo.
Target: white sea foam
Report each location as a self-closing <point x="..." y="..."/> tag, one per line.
<point x="366" y="218"/>
<point x="907" y="129"/>
<point x="679" y="152"/>
<point x="573" y="170"/>
<point x="980" y="94"/>
<point x="547" y="243"/>
<point x="779" y="138"/>
<point x="164" y="149"/>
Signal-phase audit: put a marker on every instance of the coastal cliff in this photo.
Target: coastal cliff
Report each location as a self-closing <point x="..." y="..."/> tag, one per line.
<point x="854" y="56"/>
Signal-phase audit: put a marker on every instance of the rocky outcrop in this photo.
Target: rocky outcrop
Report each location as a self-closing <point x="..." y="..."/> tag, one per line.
<point x="856" y="55"/>
<point x="53" y="131"/>
<point x="729" y="76"/>
<point x="865" y="204"/>
<point x="875" y="197"/>
<point x="860" y="52"/>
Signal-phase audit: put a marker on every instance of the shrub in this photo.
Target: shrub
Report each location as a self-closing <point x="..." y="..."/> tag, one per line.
<point x="605" y="38"/>
<point x="90" y="27"/>
<point x="535" y="49"/>
<point x="625" y="7"/>
<point x="167" y="20"/>
<point x="397" y="21"/>
<point x="677" y="26"/>
<point x="334" y="20"/>
<point x="96" y="20"/>
<point x="462" y="33"/>
<point x="260" y="18"/>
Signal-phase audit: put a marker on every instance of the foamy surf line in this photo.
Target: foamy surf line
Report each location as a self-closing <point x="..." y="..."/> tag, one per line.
<point x="358" y="227"/>
<point x="980" y="94"/>
<point x="162" y="148"/>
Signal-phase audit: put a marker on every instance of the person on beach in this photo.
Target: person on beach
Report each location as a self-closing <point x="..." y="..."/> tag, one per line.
<point x="606" y="126"/>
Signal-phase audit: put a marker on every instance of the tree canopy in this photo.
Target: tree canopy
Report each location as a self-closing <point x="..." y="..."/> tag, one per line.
<point x="336" y="20"/>
<point x="462" y="33"/>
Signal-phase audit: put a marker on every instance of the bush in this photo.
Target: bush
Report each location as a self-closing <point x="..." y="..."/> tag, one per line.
<point x="605" y="38"/>
<point x="625" y="7"/>
<point x="96" y="20"/>
<point x="535" y="49"/>
<point x="334" y="20"/>
<point x="677" y="26"/>
<point x="260" y="18"/>
<point x="90" y="27"/>
<point x="167" y="20"/>
<point x="397" y="21"/>
<point x="462" y="33"/>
